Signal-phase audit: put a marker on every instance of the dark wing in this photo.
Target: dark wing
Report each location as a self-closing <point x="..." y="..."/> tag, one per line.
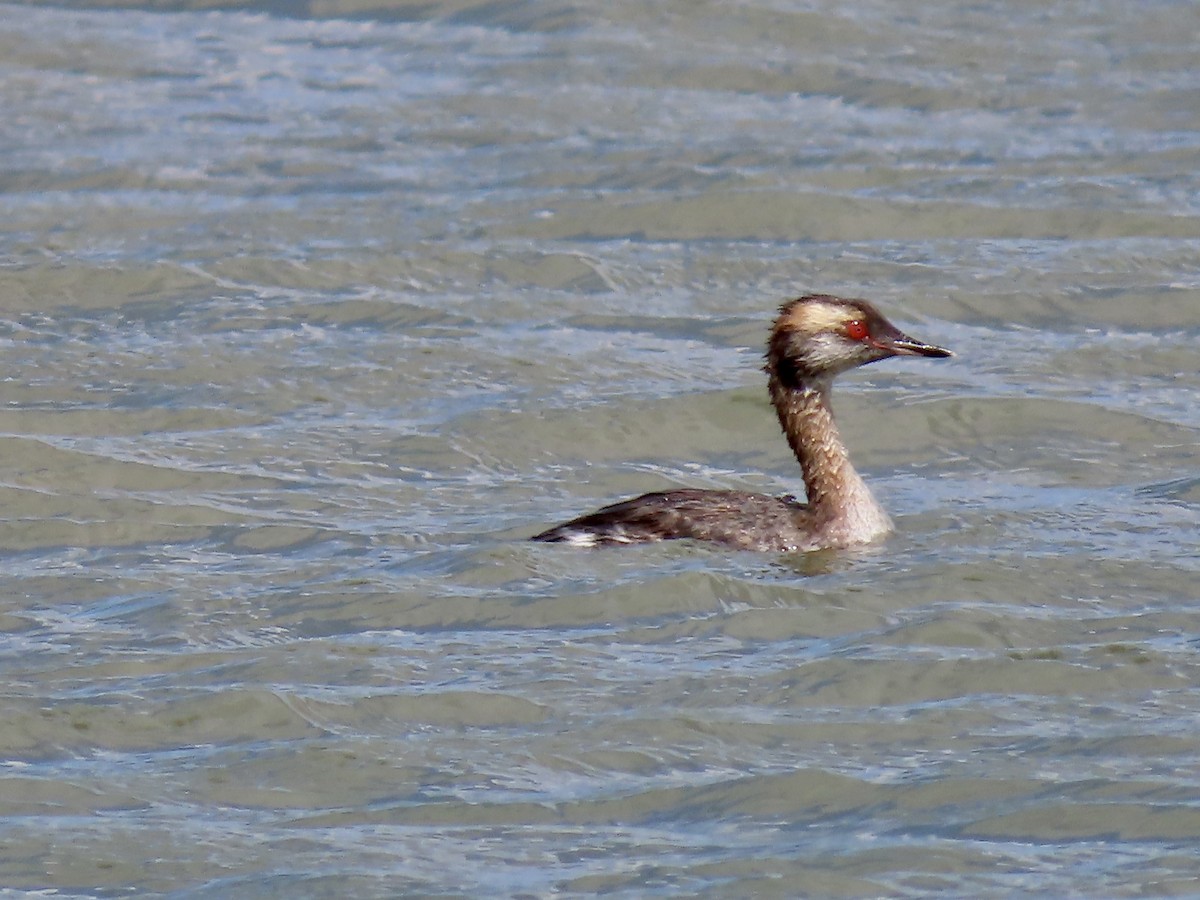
<point x="736" y="518"/>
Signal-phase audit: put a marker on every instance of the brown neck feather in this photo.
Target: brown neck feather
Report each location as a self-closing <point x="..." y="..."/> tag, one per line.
<point x="807" y="419"/>
<point x="835" y="490"/>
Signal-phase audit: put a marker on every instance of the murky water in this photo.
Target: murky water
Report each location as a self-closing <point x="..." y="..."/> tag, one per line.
<point x="311" y="313"/>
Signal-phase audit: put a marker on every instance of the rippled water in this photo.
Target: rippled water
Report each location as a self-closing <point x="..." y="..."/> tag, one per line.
<point x="311" y="313"/>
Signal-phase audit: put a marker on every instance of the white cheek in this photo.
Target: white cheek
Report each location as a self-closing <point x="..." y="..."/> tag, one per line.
<point x="824" y="351"/>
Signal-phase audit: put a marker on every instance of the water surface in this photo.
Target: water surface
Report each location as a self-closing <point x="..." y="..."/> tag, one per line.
<point x="312" y="313"/>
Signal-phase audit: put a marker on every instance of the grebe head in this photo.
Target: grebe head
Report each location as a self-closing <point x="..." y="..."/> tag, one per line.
<point x="818" y="336"/>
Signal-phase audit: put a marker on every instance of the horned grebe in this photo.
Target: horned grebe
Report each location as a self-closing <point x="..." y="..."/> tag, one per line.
<point x="814" y="339"/>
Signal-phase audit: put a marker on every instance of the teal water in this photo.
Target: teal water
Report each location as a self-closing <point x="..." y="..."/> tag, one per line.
<point x="312" y="313"/>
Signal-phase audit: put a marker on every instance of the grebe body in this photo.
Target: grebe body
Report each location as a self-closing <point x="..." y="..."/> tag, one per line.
<point x="813" y="339"/>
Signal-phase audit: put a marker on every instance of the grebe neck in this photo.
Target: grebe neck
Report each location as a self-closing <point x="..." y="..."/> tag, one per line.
<point x="837" y="496"/>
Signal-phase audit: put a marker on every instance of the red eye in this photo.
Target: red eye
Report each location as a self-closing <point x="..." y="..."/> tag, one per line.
<point x="856" y="330"/>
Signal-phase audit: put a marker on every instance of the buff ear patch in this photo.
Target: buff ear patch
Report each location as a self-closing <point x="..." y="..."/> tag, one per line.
<point x="813" y="318"/>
